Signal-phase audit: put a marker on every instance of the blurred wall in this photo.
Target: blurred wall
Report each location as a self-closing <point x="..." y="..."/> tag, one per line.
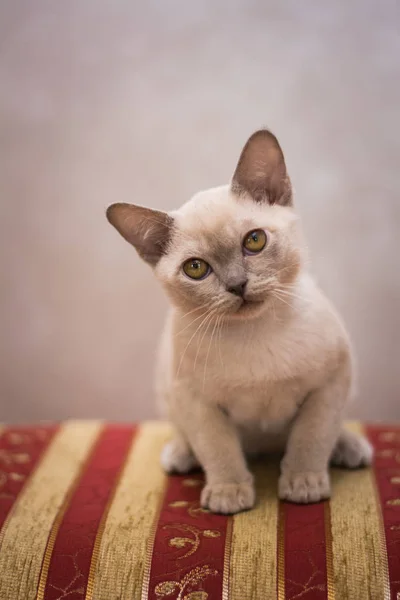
<point x="110" y="100"/>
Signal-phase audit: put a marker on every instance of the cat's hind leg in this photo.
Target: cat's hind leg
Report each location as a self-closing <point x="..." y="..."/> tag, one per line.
<point x="352" y="451"/>
<point x="177" y="456"/>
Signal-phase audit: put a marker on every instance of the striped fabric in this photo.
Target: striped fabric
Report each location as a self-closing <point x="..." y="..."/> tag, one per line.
<point x="87" y="514"/>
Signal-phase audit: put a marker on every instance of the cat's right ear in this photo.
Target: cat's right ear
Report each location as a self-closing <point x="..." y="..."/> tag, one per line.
<point x="147" y="230"/>
<point x="261" y="171"/>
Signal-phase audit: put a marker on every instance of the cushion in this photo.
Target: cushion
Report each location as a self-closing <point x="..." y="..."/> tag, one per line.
<point x="86" y="513"/>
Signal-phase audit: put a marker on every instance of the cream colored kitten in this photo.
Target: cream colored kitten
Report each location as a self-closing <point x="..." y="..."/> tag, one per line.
<point x="253" y="357"/>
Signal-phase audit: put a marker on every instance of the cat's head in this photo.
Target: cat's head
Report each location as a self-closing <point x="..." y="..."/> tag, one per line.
<point x="234" y="249"/>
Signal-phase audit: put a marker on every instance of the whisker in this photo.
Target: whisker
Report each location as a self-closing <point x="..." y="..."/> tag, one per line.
<point x="199" y="345"/>
<point x="213" y="306"/>
<point x="276" y="294"/>
<point x="188" y="344"/>
<point x="273" y="309"/>
<point x="190" y="324"/>
<point x="194" y="310"/>
<point x="220" y="327"/>
<point x="208" y="352"/>
<point x="290" y="294"/>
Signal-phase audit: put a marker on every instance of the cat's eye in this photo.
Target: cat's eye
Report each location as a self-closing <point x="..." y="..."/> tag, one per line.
<point x="196" y="268"/>
<point x="255" y="241"/>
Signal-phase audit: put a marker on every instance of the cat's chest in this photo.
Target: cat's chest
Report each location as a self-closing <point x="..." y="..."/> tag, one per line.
<point x="263" y="400"/>
<point x="259" y="360"/>
<point x="259" y="382"/>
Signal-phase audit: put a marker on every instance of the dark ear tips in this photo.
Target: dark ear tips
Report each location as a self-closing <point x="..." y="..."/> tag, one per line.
<point x="111" y="212"/>
<point x="261" y="170"/>
<point x="263" y="135"/>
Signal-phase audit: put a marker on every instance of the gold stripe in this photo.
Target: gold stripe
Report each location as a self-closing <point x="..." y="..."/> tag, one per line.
<point x="2" y="428"/>
<point x="328" y="552"/>
<point x="122" y="555"/>
<point x="359" y="555"/>
<point x="58" y="520"/>
<point x="10" y="515"/>
<point x="227" y="559"/>
<point x="26" y="534"/>
<point x="99" y="535"/>
<point x="254" y="541"/>
<point x="382" y="536"/>
<point x="49" y="549"/>
<point x="150" y="546"/>
<point x="281" y="553"/>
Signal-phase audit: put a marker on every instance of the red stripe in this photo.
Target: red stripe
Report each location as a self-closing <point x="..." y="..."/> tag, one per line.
<point x="21" y="449"/>
<point x="386" y="441"/>
<point x="72" y="552"/>
<point x="189" y="544"/>
<point x="305" y="551"/>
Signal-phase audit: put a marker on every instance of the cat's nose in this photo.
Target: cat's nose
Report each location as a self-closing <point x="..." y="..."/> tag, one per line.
<point x="237" y="289"/>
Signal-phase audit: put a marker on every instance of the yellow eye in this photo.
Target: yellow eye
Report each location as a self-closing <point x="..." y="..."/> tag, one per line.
<point x="196" y="268"/>
<point x="255" y="241"/>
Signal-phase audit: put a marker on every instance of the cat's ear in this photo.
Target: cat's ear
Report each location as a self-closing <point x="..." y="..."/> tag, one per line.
<point x="261" y="171"/>
<point x="146" y="229"/>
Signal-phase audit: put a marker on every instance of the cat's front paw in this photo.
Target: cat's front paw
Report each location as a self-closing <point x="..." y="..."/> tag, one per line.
<point x="176" y="457"/>
<point x="352" y="451"/>
<point x="304" y="488"/>
<point x="228" y="498"/>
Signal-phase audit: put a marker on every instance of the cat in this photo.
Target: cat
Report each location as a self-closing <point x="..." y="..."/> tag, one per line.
<point x="253" y="357"/>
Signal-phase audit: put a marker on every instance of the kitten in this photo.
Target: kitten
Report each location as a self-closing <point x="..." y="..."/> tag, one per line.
<point x="253" y="356"/>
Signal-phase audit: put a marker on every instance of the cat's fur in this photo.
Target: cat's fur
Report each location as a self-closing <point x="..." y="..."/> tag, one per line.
<point x="244" y="376"/>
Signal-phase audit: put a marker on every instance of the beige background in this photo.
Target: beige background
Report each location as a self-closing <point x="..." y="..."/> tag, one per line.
<point x="112" y="100"/>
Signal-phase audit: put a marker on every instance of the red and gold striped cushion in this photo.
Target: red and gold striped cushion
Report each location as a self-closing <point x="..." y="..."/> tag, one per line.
<point x="87" y="514"/>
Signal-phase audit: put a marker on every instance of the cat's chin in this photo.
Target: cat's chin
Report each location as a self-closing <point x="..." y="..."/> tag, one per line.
<point x="249" y="309"/>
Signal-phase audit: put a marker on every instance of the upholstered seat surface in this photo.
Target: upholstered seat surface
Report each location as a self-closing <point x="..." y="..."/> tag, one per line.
<point x="86" y="513"/>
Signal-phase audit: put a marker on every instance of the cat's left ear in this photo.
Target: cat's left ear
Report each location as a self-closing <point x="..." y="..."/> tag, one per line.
<point x="261" y="171"/>
<point x="146" y="229"/>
